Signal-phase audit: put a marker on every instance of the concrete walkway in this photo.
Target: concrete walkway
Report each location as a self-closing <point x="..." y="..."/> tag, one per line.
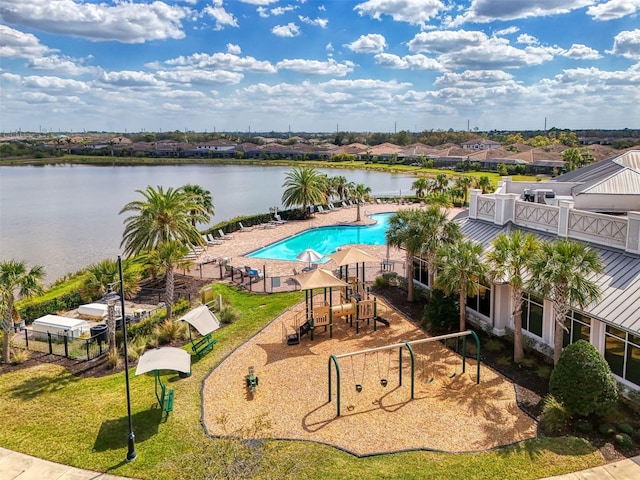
<point x="18" y="466"/>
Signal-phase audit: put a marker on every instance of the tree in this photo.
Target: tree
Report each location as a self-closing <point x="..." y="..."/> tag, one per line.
<point x="441" y="182"/>
<point x="203" y="198"/>
<point x="15" y="279"/>
<point x="561" y="272"/>
<point x="420" y="185"/>
<point x="169" y="256"/>
<point x="340" y="186"/>
<point x="582" y="381"/>
<point x="460" y="269"/>
<point x="360" y="193"/>
<point x="160" y="217"/>
<point x="105" y="272"/>
<point x="464" y="183"/>
<point x="438" y="230"/>
<point x="484" y="184"/>
<point x="571" y="158"/>
<point x="509" y="262"/>
<point x="304" y="187"/>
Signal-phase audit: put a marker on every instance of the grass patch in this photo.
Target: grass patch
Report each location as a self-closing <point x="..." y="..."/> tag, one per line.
<point x="49" y="413"/>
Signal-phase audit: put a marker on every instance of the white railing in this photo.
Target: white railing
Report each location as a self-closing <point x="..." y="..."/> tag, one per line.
<point x="537" y="216"/>
<point x="598" y="228"/>
<point x="486" y="208"/>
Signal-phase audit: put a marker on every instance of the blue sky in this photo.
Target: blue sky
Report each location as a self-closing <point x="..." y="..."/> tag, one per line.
<point x="306" y="65"/>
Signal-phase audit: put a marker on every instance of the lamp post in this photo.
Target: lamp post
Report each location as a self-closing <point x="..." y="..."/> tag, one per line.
<point x="111" y="297"/>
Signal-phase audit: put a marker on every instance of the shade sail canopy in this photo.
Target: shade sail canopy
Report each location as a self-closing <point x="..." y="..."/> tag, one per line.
<point x="164" y="358"/>
<point x="350" y="256"/>
<point x="202" y="319"/>
<point x="318" y="278"/>
<point x="309" y="255"/>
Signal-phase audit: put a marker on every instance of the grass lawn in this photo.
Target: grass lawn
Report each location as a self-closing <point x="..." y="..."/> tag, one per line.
<point x="51" y="414"/>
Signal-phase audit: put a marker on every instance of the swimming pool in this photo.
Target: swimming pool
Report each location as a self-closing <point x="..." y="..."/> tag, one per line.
<point x="326" y="240"/>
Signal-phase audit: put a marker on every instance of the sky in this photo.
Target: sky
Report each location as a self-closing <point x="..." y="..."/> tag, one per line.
<point x="318" y="66"/>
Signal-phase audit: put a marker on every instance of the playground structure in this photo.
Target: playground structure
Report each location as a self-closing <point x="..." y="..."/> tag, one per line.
<point x="251" y="380"/>
<point x="384" y="380"/>
<point x="356" y="304"/>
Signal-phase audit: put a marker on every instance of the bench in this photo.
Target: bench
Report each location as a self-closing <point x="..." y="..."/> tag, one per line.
<point x="202" y="346"/>
<point x="252" y="381"/>
<point x="168" y="402"/>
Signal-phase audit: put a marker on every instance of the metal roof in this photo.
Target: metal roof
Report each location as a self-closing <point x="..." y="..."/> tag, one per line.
<point x="619" y="304"/>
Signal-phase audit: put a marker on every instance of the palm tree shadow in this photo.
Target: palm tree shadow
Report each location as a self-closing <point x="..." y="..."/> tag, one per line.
<point x="42" y="384"/>
<point x="113" y="434"/>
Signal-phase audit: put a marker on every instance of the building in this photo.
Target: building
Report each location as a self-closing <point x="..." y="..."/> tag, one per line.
<point x="550" y="210"/>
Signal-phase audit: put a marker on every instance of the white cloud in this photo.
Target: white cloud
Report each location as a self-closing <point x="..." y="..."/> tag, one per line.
<point x="627" y="44"/>
<point x="475" y="50"/>
<point x="61" y="65"/>
<point x="288" y="30"/>
<point x="258" y="2"/>
<point x="47" y="84"/>
<point x="314" y="67"/>
<point x="233" y="49"/>
<point x="485" y="11"/>
<point x="127" y="78"/>
<point x="329" y="47"/>
<point x="474" y="77"/>
<point x="282" y="10"/>
<point x="527" y="39"/>
<point x="219" y="61"/>
<point x="414" y="12"/>
<point x="413" y="62"/>
<point x="221" y="17"/>
<point x="188" y="76"/>
<point x="123" y="21"/>
<point x="318" y="22"/>
<point x="17" y="44"/>
<point x="506" y="31"/>
<point x="581" y="52"/>
<point x="613" y="9"/>
<point x="370" y="43"/>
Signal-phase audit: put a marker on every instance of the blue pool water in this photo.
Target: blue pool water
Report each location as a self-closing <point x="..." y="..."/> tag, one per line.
<point x="326" y="240"/>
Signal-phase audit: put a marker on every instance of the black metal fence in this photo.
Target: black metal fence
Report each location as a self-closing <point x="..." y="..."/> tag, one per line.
<point x="85" y="348"/>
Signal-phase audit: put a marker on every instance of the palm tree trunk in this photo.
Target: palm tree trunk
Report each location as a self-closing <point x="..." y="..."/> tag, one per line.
<point x="7" y="321"/>
<point x="358" y="214"/>
<point x="560" y="309"/>
<point x="518" y="352"/>
<point x="463" y="310"/>
<point x="409" y="261"/>
<point x="170" y="286"/>
<point x="111" y="326"/>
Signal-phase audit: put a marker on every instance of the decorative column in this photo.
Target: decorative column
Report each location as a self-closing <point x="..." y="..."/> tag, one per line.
<point x="563" y="217"/>
<point x="633" y="233"/>
<point x="505" y="207"/>
<point x="473" y="202"/>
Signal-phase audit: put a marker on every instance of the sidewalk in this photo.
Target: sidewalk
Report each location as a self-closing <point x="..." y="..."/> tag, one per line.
<point x="18" y="466"/>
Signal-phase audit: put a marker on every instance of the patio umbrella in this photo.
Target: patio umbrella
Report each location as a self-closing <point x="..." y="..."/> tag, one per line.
<point x="309" y="255"/>
<point x="318" y="278"/>
<point x="352" y="255"/>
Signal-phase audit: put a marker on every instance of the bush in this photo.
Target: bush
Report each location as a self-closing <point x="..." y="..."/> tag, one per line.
<point x="168" y="331"/>
<point x="583" y="382"/>
<point x="229" y="315"/>
<point x="625" y="428"/>
<point x="555" y="417"/>
<point x="623" y="440"/>
<point x="583" y="425"/>
<point x="113" y="359"/>
<point x="19" y="356"/>
<point x="136" y="348"/>
<point x="441" y="312"/>
<point x="607" y="429"/>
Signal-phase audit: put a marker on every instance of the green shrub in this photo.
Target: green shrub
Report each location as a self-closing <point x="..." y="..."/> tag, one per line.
<point x="493" y="345"/>
<point x="636" y="434"/>
<point x="623" y="440"/>
<point x="229" y="315"/>
<point x="168" y="331"/>
<point x="625" y="428"/>
<point x="583" y="382"/>
<point x="555" y="417"/>
<point x="136" y="348"/>
<point x="19" y="356"/>
<point x="543" y="371"/>
<point x="113" y="359"/>
<point x="441" y="312"/>
<point x="64" y="302"/>
<point x="606" y="429"/>
<point x="583" y="425"/>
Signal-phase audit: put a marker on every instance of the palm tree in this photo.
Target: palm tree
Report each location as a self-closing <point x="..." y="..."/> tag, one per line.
<point x="340" y="186"/>
<point x="464" y="183"/>
<point x="509" y="262"/>
<point x="304" y="187"/>
<point x="161" y="217"/>
<point x="359" y="194"/>
<point x="484" y="184"/>
<point x="460" y="269"/>
<point x="561" y="272"/>
<point x="438" y="231"/>
<point x="15" y="276"/>
<point x="105" y="272"/>
<point x="420" y="186"/>
<point x="404" y="231"/>
<point x="441" y="182"/>
<point x="204" y="199"/>
<point x="169" y="256"/>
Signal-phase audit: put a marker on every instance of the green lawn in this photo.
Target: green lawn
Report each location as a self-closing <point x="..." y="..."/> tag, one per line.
<point x="46" y="412"/>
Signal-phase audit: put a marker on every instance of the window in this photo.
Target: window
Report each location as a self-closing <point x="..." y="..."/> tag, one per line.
<point x="622" y="353"/>
<point x="579" y="327"/>
<point x="420" y="272"/>
<point x="481" y="303"/>
<point x="532" y="313"/>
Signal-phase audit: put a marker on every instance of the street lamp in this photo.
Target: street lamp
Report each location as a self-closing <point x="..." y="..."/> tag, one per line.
<point x="111" y="297"/>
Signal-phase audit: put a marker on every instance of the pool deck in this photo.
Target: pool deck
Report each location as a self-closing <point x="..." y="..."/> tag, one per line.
<point x="245" y="242"/>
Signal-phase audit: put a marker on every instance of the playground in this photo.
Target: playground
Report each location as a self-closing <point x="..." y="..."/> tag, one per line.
<point x="289" y="386"/>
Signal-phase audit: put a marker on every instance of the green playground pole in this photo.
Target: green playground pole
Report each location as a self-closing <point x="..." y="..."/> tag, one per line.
<point x="475" y="337"/>
<point x="412" y="370"/>
<point x="335" y="361"/>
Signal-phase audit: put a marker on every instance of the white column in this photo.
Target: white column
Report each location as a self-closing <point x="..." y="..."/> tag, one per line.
<point x="633" y="232"/>
<point x="563" y="218"/>
<point x="505" y="207"/>
<point x="473" y="202"/>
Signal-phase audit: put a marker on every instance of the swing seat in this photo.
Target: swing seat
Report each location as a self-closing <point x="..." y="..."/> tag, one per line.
<point x="358" y="387"/>
<point x="383" y="382"/>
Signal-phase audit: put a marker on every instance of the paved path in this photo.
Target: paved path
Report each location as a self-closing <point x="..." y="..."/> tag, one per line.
<point x="18" y="466"/>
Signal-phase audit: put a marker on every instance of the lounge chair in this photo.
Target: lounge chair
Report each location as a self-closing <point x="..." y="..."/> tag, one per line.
<point x="211" y="240"/>
<point x="278" y="219"/>
<point x="253" y="273"/>
<point x="267" y="225"/>
<point x="224" y="236"/>
<point x="321" y="209"/>
<point x="243" y="228"/>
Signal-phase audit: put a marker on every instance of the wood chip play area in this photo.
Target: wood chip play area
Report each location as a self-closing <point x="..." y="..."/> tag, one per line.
<point x="288" y="385"/>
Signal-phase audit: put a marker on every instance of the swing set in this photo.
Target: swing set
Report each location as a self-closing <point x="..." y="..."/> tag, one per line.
<point x="384" y="377"/>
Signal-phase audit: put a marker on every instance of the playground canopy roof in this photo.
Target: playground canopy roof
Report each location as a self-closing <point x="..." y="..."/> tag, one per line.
<point x="164" y="358"/>
<point x="318" y="278"/>
<point x="202" y="319"/>
<point x="350" y="256"/>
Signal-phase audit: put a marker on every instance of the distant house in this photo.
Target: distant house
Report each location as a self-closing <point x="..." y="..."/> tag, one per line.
<point x="217" y="146"/>
<point x="480" y="144"/>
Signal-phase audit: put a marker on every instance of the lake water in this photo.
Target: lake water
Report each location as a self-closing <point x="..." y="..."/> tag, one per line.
<point x="66" y="217"/>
